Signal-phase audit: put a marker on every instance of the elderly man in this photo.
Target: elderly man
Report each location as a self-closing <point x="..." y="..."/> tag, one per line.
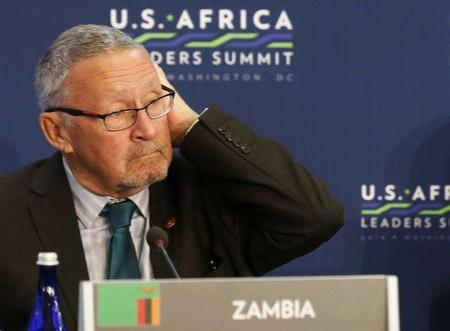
<point x="233" y="203"/>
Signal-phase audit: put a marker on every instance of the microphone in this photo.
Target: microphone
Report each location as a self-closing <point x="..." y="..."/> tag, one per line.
<point x="158" y="239"/>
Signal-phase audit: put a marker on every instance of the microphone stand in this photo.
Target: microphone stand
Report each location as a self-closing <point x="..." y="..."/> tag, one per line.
<point x="159" y="244"/>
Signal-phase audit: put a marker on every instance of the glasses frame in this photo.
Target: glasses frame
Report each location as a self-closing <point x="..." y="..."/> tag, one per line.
<point x="77" y="112"/>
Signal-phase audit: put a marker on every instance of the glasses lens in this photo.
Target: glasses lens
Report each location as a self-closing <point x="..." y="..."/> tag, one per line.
<point x="120" y="120"/>
<point x="160" y="107"/>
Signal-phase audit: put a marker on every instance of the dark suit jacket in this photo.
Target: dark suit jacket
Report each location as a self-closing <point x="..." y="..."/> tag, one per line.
<point x="242" y="207"/>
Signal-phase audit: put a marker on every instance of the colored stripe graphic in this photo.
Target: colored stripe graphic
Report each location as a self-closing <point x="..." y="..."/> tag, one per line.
<point x="156" y="312"/>
<point x="220" y="40"/>
<point x="181" y="40"/>
<point x="154" y="35"/>
<point x="148" y="316"/>
<point x="261" y="41"/>
<point x="148" y="312"/>
<point x="371" y="204"/>
<point x="416" y="209"/>
<point x="281" y="45"/>
<point x="441" y="211"/>
<point x="385" y="208"/>
<point x="273" y="40"/>
<point x="428" y="208"/>
<point x="142" y="311"/>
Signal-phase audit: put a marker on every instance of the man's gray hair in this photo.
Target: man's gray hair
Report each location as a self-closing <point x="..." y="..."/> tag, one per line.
<point x="79" y="42"/>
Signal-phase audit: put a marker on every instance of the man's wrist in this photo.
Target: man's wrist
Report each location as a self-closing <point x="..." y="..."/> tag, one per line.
<point x="184" y="126"/>
<point x="196" y="121"/>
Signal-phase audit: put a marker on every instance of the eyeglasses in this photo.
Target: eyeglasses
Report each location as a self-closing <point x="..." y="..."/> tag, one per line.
<point x="126" y="118"/>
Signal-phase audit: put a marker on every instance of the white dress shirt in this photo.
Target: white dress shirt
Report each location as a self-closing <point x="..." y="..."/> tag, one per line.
<point x="96" y="230"/>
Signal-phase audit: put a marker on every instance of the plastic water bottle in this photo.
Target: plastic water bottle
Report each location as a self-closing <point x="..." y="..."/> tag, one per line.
<point x="47" y="315"/>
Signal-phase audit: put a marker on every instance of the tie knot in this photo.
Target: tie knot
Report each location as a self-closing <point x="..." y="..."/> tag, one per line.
<point x="119" y="213"/>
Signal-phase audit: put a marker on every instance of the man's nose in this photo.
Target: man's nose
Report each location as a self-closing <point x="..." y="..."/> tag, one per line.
<point x="144" y="128"/>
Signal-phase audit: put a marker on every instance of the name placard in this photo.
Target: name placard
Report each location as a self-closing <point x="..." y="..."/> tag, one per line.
<point x="347" y="303"/>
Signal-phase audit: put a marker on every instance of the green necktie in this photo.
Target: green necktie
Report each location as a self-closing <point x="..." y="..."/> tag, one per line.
<point x="123" y="262"/>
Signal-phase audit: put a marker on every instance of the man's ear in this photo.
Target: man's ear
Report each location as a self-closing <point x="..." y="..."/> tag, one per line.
<point x="55" y="131"/>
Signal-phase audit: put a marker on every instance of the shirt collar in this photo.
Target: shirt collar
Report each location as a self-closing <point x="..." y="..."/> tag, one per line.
<point x="88" y="205"/>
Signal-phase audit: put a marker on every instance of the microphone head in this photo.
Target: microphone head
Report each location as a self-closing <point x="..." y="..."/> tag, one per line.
<point x="157" y="236"/>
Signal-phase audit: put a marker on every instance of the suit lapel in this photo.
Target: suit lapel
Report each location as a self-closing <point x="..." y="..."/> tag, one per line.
<point x="56" y="223"/>
<point x="162" y="213"/>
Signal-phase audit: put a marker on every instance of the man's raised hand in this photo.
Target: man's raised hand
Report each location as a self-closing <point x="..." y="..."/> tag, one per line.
<point x="181" y="117"/>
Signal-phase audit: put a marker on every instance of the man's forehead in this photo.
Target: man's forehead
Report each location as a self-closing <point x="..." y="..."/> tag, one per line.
<point x="116" y="63"/>
<point x="115" y="70"/>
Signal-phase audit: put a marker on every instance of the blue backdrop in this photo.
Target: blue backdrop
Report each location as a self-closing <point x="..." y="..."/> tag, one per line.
<point x="357" y="90"/>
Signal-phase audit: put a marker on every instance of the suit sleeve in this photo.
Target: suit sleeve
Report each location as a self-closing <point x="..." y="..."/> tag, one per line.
<point x="286" y="210"/>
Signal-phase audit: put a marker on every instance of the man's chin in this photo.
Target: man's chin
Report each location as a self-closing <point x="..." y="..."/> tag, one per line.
<point x="145" y="170"/>
<point x="134" y="180"/>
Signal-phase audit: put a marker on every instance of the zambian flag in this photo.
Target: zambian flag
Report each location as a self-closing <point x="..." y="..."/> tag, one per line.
<point x="128" y="305"/>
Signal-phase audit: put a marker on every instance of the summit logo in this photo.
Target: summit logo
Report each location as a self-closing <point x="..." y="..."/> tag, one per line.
<point x="214" y="44"/>
<point x="420" y="212"/>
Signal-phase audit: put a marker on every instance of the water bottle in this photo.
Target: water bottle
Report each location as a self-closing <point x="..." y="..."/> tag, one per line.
<point x="47" y="315"/>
